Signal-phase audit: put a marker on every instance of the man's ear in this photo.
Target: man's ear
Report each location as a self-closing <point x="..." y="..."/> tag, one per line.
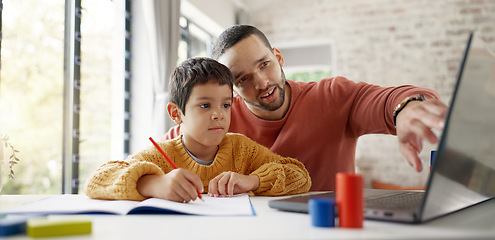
<point x="174" y="112"/>
<point x="279" y="56"/>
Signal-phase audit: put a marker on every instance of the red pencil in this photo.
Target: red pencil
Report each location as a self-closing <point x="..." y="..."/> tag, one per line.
<point x="170" y="162"/>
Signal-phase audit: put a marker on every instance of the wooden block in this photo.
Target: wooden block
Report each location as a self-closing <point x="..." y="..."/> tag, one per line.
<point x="47" y="227"/>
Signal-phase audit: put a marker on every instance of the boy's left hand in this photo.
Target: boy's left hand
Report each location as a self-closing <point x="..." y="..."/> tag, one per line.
<point x="230" y="183"/>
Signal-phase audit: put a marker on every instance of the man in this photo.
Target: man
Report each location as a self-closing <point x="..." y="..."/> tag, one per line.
<point x="318" y="123"/>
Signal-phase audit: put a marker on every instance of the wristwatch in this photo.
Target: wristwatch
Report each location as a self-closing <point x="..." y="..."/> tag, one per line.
<point x="404" y="103"/>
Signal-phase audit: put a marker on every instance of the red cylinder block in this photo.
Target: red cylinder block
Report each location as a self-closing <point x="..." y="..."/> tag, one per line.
<point x="349" y="198"/>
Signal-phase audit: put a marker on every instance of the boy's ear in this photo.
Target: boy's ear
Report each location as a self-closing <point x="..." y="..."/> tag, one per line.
<point x="174" y="112"/>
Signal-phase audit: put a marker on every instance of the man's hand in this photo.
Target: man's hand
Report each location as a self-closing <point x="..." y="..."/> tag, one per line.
<point x="415" y="123"/>
<point x="230" y="183"/>
<point x="178" y="185"/>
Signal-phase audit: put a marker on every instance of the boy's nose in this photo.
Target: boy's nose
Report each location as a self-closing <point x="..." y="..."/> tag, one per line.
<point x="217" y="115"/>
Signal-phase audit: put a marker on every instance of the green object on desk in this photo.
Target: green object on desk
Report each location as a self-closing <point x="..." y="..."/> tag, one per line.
<point x="46" y="227"/>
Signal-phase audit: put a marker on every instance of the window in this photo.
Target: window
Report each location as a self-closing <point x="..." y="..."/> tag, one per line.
<point x="102" y="85"/>
<point x="308" y="75"/>
<point x="32" y="86"/>
<point x="31" y="92"/>
<point x="194" y="42"/>
<point x="308" y="62"/>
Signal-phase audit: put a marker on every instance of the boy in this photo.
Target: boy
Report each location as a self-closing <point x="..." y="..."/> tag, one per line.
<point x="206" y="155"/>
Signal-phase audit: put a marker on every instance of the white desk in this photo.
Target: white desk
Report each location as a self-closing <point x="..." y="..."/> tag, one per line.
<point x="477" y="222"/>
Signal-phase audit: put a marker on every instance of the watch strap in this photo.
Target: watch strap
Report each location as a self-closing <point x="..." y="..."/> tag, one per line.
<point x="403" y="104"/>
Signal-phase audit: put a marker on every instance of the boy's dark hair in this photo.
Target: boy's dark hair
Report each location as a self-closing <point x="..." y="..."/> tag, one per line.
<point x="235" y="34"/>
<point x="196" y="71"/>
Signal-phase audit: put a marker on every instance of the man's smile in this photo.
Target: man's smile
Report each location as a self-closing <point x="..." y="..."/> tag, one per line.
<point x="268" y="94"/>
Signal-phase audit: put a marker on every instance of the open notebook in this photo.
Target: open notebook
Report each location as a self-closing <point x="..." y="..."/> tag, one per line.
<point x="463" y="172"/>
<point x="238" y="205"/>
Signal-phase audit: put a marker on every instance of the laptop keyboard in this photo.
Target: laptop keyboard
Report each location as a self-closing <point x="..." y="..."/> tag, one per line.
<point x="396" y="201"/>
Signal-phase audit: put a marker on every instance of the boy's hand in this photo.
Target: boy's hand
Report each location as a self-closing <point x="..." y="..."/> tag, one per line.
<point x="178" y="185"/>
<point x="230" y="183"/>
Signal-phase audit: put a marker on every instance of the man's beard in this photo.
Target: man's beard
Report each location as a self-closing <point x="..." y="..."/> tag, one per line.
<point x="272" y="106"/>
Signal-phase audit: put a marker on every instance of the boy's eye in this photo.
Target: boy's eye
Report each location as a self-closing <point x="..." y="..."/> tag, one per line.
<point x="204" y="105"/>
<point x="226" y="105"/>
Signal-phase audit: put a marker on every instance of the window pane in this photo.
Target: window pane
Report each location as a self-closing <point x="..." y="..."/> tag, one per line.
<point x="102" y="85"/>
<point x="194" y="42"/>
<point x="182" y="50"/>
<point x="31" y="93"/>
<point x="309" y="75"/>
<point x="199" y="41"/>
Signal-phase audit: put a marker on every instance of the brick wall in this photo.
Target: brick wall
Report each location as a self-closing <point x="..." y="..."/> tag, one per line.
<point x="385" y="42"/>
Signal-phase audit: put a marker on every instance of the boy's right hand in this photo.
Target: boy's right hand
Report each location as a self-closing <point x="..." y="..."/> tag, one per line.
<point x="179" y="185"/>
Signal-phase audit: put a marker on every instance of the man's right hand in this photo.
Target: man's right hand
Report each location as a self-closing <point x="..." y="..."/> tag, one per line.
<point x="415" y="123"/>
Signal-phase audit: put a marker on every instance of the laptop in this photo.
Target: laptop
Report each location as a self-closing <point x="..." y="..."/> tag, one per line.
<point x="463" y="171"/>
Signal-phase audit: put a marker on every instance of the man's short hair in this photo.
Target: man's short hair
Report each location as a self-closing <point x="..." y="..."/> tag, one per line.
<point x="196" y="71"/>
<point x="235" y="34"/>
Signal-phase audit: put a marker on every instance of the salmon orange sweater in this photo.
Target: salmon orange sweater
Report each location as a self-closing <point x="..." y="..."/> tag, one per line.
<point x="323" y="123"/>
<point x="237" y="153"/>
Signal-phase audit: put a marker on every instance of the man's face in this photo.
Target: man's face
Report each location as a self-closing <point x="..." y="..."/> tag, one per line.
<point x="207" y="117"/>
<point x="259" y="78"/>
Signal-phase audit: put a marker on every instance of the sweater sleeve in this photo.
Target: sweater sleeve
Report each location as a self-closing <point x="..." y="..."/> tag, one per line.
<point x="117" y="180"/>
<point x="282" y="177"/>
<point x="278" y="175"/>
<point x="367" y="108"/>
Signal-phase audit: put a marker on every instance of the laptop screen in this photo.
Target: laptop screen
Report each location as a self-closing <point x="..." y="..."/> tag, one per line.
<point x="464" y="167"/>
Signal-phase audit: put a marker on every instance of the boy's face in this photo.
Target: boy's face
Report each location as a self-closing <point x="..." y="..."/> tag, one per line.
<point x="207" y="117"/>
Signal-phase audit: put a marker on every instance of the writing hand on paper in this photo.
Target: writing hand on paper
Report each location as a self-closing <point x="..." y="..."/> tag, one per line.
<point x="415" y="123"/>
<point x="179" y="185"/>
<point x="230" y="183"/>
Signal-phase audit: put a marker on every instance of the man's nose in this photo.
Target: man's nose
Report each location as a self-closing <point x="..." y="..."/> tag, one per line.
<point x="260" y="81"/>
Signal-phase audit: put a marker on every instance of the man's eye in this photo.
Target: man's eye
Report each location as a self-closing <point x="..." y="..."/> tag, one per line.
<point x="204" y="105"/>
<point x="263" y="64"/>
<point x="241" y="80"/>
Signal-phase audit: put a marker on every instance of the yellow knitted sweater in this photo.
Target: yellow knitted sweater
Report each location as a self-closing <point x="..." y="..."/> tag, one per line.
<point x="237" y="153"/>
